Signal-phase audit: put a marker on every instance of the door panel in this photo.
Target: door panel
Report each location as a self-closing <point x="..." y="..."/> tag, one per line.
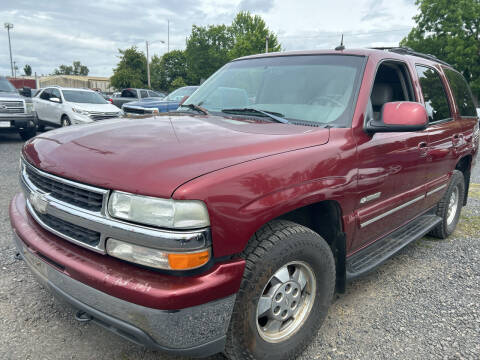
<point x="391" y="183"/>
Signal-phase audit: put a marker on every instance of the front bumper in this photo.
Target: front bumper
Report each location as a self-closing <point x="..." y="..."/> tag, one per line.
<point x="196" y="330"/>
<point x="19" y="121"/>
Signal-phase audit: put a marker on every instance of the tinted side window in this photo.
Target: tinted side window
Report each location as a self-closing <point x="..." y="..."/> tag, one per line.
<point x="56" y="93"/>
<point x="45" y="94"/>
<point x="436" y="101"/>
<point x="143" y="94"/>
<point x="461" y="93"/>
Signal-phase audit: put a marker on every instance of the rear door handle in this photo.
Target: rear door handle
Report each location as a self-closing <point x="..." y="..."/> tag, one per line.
<point x="423" y="147"/>
<point x="457" y="139"/>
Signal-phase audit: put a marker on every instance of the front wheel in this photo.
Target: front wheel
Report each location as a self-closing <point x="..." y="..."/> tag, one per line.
<point x="28" y="133"/>
<point x="286" y="290"/>
<point x="65" y="121"/>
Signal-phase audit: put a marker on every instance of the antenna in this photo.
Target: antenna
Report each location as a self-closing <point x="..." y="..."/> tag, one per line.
<point x="341" y="46"/>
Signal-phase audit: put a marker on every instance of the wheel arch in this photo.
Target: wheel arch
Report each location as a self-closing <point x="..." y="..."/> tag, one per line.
<point x="464" y="165"/>
<point x="325" y="218"/>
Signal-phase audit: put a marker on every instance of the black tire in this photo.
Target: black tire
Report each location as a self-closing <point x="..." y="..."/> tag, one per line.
<point x="276" y="244"/>
<point x="28" y="133"/>
<point x="65" y="121"/>
<point x="445" y="229"/>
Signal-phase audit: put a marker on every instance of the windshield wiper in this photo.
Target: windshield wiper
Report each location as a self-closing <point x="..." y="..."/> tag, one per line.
<point x="195" y="107"/>
<point x="272" y="115"/>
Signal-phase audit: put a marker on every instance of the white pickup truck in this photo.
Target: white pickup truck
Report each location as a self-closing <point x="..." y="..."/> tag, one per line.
<point x="16" y="112"/>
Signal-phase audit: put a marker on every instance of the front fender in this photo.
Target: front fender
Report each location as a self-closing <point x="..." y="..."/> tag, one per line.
<point x="242" y="198"/>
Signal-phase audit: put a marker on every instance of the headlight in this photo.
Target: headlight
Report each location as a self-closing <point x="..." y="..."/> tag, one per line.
<point x="80" y="111"/>
<point x="165" y="213"/>
<point x="157" y="258"/>
<point x="28" y="107"/>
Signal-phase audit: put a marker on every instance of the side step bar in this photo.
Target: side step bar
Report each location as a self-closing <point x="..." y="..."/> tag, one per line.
<point x="375" y="254"/>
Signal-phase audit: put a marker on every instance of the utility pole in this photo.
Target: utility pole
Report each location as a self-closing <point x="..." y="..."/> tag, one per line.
<point x="9" y="26"/>
<point x="14" y="69"/>
<point x="148" y="61"/>
<point x="148" y="66"/>
<point x="266" y="44"/>
<point x="168" y="35"/>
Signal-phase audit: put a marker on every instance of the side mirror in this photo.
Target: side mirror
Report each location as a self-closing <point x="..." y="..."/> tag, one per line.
<point x="183" y="99"/>
<point x="399" y="116"/>
<point x="26" y="91"/>
<point x="55" y="100"/>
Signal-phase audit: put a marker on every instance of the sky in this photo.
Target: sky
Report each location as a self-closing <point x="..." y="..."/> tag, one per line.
<point x="49" y="33"/>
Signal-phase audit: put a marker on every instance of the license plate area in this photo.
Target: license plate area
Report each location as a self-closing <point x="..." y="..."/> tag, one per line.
<point x="5" y="124"/>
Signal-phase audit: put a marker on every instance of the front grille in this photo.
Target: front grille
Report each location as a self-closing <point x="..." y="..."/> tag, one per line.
<point x="133" y="110"/>
<point x="11" y="107"/>
<point x="73" y="231"/>
<point x="82" y="198"/>
<point x="103" y="116"/>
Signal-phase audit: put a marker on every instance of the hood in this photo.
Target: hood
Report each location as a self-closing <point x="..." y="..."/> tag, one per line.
<point x="95" y="107"/>
<point x="10" y="95"/>
<point x="152" y="103"/>
<point x="154" y="156"/>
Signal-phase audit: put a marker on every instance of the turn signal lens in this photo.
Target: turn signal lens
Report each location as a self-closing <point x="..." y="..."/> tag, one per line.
<point x="156" y="258"/>
<point x="188" y="260"/>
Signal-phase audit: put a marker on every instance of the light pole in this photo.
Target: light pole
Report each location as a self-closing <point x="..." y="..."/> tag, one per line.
<point x="266" y="44"/>
<point x="9" y="26"/>
<point x="148" y="62"/>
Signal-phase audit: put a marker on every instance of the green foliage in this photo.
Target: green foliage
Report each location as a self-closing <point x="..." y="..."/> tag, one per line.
<point x="75" y="69"/>
<point x="450" y="31"/>
<point x="249" y="33"/>
<point x="177" y="83"/>
<point x="207" y="50"/>
<point x="27" y="69"/>
<point x="131" y="71"/>
<point x="165" y="70"/>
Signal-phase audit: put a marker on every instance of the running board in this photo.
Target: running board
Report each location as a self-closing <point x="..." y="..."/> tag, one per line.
<point x="375" y="254"/>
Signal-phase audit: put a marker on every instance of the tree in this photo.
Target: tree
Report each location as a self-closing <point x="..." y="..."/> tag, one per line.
<point x="177" y="83"/>
<point x="75" y="69"/>
<point x="249" y="33"/>
<point x="450" y="31"/>
<point x="166" y="69"/>
<point x="131" y="71"/>
<point x="207" y="50"/>
<point x="27" y="69"/>
<point x="79" y="69"/>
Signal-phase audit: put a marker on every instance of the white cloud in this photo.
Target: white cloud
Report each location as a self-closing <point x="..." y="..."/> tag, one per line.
<point x="47" y="34"/>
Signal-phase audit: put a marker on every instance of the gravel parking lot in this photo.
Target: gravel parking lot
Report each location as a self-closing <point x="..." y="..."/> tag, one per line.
<point x="422" y="304"/>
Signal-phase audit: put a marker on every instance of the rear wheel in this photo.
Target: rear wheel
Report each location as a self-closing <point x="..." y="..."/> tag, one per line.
<point x="65" y="121"/>
<point x="450" y="206"/>
<point x="285" y="293"/>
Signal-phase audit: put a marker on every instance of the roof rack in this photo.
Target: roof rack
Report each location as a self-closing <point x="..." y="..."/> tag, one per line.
<point x="404" y="50"/>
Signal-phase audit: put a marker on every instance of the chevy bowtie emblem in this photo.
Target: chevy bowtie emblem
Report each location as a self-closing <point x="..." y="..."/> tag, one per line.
<point x="39" y="202"/>
<point x="3" y="107"/>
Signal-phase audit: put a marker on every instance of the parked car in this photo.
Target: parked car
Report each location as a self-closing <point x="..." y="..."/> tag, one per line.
<point x="16" y="112"/>
<point x="130" y="94"/>
<point x="230" y="227"/>
<point x="56" y="106"/>
<point x="155" y="105"/>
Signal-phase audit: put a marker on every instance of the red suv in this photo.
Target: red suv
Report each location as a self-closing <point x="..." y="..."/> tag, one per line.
<point x="228" y="225"/>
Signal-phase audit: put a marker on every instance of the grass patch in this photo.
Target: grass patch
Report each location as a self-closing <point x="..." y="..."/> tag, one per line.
<point x="474" y="191"/>
<point x="468" y="224"/>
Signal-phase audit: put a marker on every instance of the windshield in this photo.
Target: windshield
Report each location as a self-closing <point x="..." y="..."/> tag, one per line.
<point x="179" y="94"/>
<point x="6" y="86"/>
<point x="85" y="97"/>
<point x="313" y="88"/>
